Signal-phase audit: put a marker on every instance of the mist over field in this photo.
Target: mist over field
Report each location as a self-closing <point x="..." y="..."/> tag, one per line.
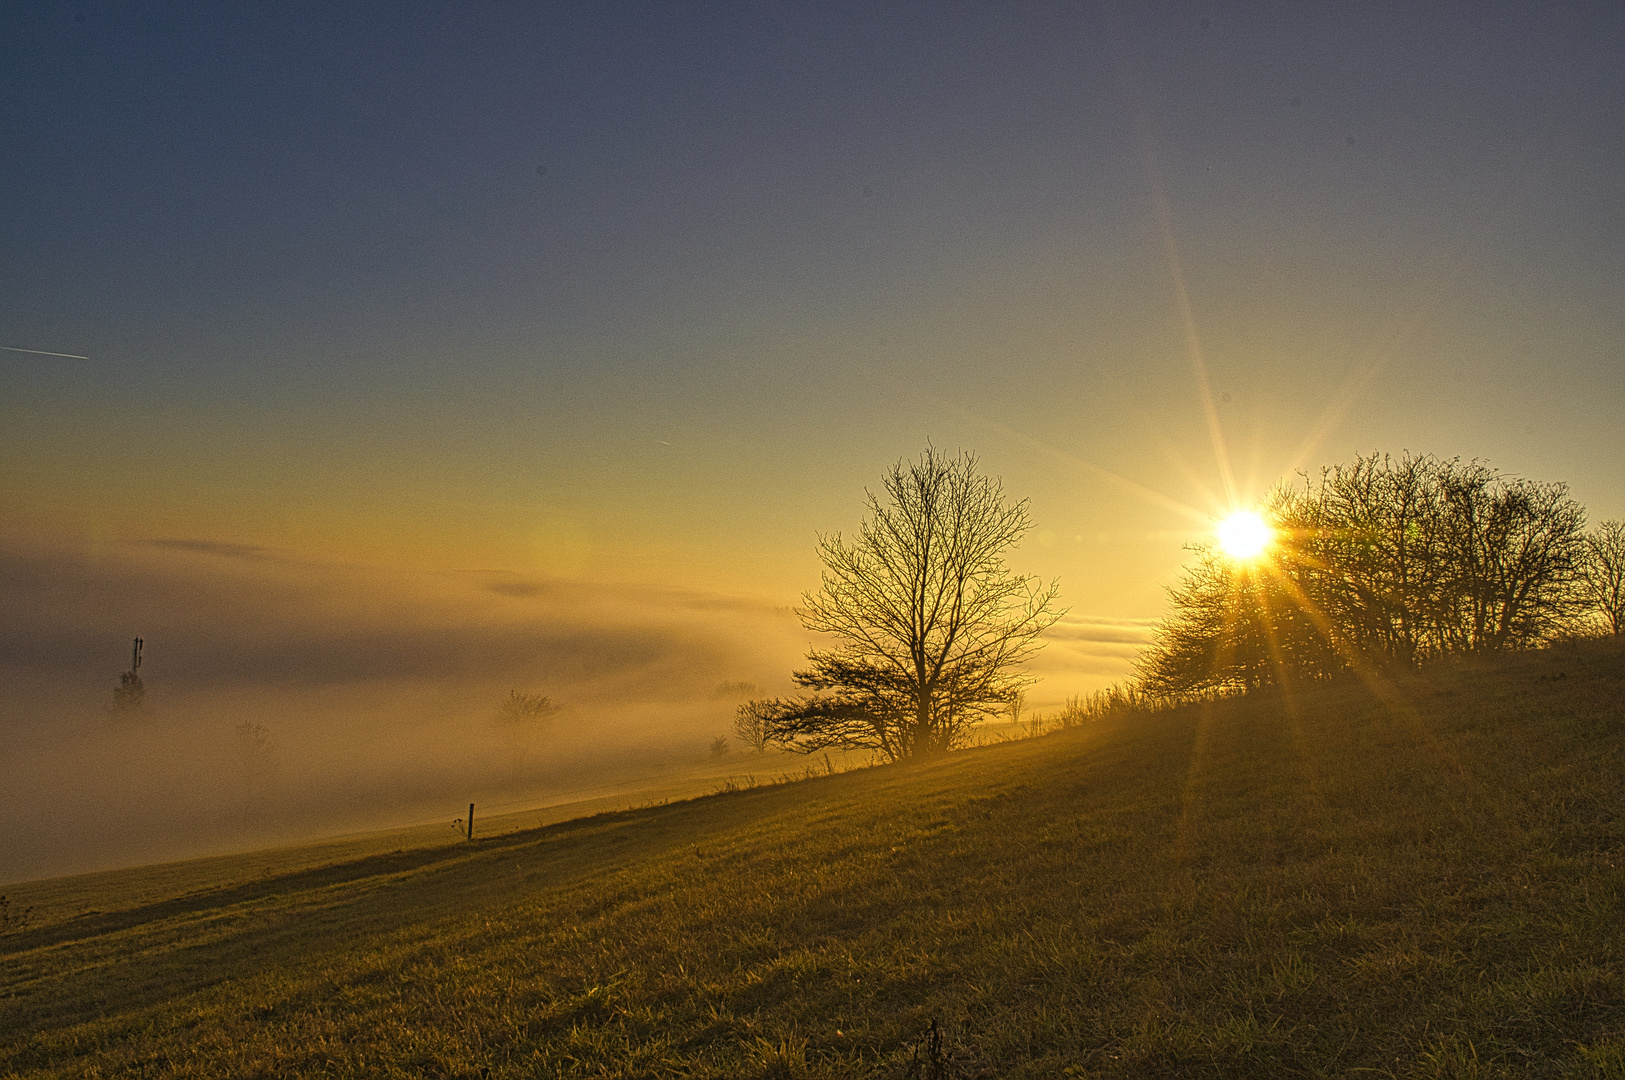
<point x="287" y="698"/>
<point x="290" y="698"/>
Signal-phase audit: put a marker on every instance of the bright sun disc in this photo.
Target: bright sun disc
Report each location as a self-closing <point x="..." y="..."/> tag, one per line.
<point x="1244" y="535"/>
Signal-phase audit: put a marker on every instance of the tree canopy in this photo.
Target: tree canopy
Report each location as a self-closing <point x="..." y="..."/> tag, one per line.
<point x="1381" y="562"/>
<point x="1605" y="574"/>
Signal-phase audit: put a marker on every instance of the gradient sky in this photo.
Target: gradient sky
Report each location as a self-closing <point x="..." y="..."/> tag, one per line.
<point x="645" y="295"/>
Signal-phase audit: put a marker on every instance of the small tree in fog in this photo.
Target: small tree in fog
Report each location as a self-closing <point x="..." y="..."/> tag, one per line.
<point x="519" y="722"/>
<point x="524" y="709"/>
<point x="1604" y="574"/>
<point x="256" y="761"/>
<point x="751" y="724"/>
<point x="719" y="748"/>
<point x="750" y="721"/>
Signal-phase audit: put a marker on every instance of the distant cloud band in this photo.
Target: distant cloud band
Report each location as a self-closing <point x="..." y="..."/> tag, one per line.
<point x="223" y="548"/>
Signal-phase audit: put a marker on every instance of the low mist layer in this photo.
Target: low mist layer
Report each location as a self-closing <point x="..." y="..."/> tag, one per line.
<point x="287" y="697"/>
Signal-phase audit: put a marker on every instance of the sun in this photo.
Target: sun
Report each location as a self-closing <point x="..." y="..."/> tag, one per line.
<point x="1244" y="535"/>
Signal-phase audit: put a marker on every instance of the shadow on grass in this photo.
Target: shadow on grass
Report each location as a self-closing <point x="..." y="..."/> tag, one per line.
<point x="148" y="954"/>
<point x="93" y="923"/>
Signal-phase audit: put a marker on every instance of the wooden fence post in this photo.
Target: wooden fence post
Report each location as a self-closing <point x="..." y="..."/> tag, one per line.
<point x="471" y="821"/>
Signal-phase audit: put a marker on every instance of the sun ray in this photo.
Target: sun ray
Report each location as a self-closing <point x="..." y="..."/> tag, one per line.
<point x="1451" y="266"/>
<point x="1188" y="472"/>
<point x="1150" y="495"/>
<point x="1277" y="659"/>
<point x="1187" y="315"/>
<point x="1358" y="663"/>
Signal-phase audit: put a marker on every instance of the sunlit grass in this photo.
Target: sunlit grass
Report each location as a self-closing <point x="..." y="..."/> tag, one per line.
<point x="1424" y="880"/>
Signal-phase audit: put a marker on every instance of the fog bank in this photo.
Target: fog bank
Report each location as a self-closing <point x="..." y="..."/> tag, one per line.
<point x="288" y="697"/>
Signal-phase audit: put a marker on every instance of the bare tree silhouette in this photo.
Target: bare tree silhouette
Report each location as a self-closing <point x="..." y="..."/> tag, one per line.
<point x="933" y="627"/>
<point x="520" y="708"/>
<point x="1604" y="574"/>
<point x="752" y="724"/>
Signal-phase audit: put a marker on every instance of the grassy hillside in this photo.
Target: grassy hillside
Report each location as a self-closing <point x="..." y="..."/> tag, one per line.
<point x="1422" y="879"/>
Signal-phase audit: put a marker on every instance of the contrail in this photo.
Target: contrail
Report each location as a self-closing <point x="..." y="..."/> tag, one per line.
<point x="42" y="352"/>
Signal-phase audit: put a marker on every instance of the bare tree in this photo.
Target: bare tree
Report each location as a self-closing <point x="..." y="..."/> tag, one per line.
<point x="520" y="708"/>
<point x="1016" y="705"/>
<point x="933" y="627"/>
<point x="1604" y="573"/>
<point x="519" y="723"/>
<point x="1366" y="544"/>
<point x="1517" y="549"/>
<point x="751" y="724"/>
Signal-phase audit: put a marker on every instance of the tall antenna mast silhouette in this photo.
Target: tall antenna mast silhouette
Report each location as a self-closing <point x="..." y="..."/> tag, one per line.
<point x="129" y="695"/>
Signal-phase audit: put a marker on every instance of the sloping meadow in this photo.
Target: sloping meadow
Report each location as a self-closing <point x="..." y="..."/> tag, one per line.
<point x="1418" y="878"/>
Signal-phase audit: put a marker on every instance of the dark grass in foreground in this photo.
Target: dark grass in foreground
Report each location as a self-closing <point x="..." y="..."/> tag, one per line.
<point x="1428" y="880"/>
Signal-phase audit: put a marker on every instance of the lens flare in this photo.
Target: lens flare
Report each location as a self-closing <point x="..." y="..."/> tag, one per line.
<point x="1244" y="535"/>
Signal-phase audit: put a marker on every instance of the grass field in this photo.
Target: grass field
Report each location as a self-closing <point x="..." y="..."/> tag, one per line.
<point x="1419" y="879"/>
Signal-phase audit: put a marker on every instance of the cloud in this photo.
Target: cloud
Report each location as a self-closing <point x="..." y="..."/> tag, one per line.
<point x="222" y="548"/>
<point x="518" y="588"/>
<point x="1137" y="632"/>
<point x="654" y="596"/>
<point x="225" y="617"/>
<point x="1083" y="653"/>
<point x="252" y="621"/>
